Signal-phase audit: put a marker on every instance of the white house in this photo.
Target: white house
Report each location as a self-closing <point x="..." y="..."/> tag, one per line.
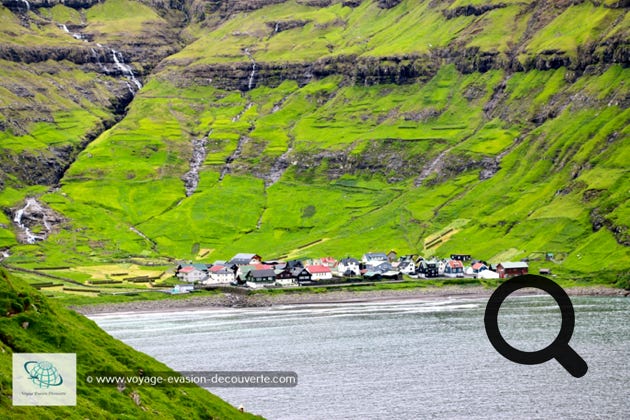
<point x="373" y="259"/>
<point x="192" y="274"/>
<point x="350" y="266"/>
<point x="319" y="272"/>
<point x="407" y="267"/>
<point x="220" y="275"/>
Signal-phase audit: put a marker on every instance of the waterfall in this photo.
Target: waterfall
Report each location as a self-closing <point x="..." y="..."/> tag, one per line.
<point x="250" y="83"/>
<point x="35" y="214"/>
<point x="124" y="68"/>
<point x="98" y="61"/>
<point x="277" y="27"/>
<point x="199" y="152"/>
<point x="27" y="5"/>
<point x="119" y="62"/>
<point x="75" y="35"/>
<point x="31" y="238"/>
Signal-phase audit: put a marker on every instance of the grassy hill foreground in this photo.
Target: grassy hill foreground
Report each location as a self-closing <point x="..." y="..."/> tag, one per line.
<point x="31" y="323"/>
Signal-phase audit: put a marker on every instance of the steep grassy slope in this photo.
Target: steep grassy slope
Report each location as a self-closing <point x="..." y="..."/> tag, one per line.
<point x="31" y="324"/>
<point x="498" y="129"/>
<point x="60" y="85"/>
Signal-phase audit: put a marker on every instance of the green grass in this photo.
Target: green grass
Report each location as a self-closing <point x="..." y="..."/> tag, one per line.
<point x="355" y="213"/>
<point x="121" y="17"/>
<point x="411" y="28"/>
<point x="54" y="329"/>
<point x="578" y="25"/>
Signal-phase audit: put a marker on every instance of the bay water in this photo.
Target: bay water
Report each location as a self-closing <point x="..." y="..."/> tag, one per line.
<point x="408" y="359"/>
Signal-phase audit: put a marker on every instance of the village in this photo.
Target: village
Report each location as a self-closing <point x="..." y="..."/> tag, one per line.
<point x="251" y="271"/>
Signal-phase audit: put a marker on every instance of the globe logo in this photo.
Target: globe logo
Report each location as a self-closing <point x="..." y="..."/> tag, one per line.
<point x="43" y="374"/>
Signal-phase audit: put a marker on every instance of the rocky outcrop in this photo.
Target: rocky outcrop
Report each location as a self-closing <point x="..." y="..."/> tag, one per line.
<point x="471" y="10"/>
<point x="599" y="220"/>
<point x="488" y="168"/>
<point x="390" y="158"/>
<point x="447" y="166"/>
<point x="47" y="167"/>
<point x="36" y="54"/>
<point x="41" y="167"/>
<point x="398" y="69"/>
<point x="244" y="5"/>
<point x="315" y="3"/>
<point x="387" y="4"/>
<point x="92" y="57"/>
<point x="22" y="5"/>
<point x="285" y="25"/>
<point x="198" y="10"/>
<point x="364" y="71"/>
<point x="34" y="221"/>
<point x="191" y="178"/>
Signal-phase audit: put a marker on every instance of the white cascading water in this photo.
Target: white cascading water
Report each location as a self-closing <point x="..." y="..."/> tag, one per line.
<point x="31" y="238"/>
<point x="124" y="68"/>
<point x="117" y="57"/>
<point x="250" y="83"/>
<point x="75" y="35"/>
<point x="27" y="5"/>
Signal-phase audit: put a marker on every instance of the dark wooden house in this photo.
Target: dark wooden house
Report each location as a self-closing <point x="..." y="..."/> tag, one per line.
<point x="509" y="269"/>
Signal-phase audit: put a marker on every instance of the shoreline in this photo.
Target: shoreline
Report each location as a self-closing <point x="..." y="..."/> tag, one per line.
<point x="229" y="300"/>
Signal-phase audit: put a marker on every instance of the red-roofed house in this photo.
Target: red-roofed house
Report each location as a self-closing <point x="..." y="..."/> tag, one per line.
<point x="319" y="272"/>
<point x="191" y="274"/>
<point x="479" y="266"/>
<point x="454" y="268"/>
<point x="329" y="262"/>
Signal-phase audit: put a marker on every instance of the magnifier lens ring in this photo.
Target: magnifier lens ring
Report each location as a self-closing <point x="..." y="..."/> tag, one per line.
<point x="492" y="314"/>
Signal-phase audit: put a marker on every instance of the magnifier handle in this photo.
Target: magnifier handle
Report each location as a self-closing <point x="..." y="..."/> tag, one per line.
<point x="572" y="362"/>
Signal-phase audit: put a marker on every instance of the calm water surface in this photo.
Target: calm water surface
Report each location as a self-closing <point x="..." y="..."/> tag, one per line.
<point x="407" y="359"/>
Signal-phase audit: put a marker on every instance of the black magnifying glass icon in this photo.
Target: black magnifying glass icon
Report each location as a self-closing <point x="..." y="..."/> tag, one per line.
<point x="559" y="349"/>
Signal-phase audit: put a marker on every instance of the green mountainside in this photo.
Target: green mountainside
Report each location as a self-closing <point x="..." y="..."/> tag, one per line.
<point x="30" y="323"/>
<point x="318" y="127"/>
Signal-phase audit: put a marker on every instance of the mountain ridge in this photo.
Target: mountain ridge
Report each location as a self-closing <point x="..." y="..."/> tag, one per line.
<point x="400" y="115"/>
